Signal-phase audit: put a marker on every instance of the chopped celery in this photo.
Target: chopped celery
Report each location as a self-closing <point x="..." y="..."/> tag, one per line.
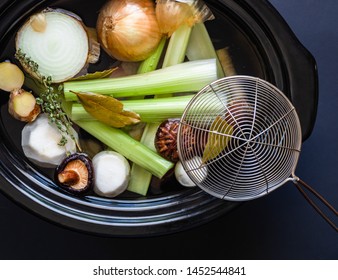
<point x="185" y="77"/>
<point x="150" y="64"/>
<point x="139" y="177"/>
<point x="177" y="46"/>
<point x="175" y="54"/>
<point x="150" y="110"/>
<point x="133" y="150"/>
<point x="201" y="47"/>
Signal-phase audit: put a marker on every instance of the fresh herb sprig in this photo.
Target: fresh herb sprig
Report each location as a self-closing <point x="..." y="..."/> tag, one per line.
<point x="50" y="99"/>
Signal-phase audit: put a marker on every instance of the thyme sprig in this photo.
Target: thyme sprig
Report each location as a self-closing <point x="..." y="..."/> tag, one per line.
<point x="50" y="99"/>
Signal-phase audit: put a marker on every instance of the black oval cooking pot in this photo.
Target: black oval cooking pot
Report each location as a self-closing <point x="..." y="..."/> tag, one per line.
<point x="260" y="43"/>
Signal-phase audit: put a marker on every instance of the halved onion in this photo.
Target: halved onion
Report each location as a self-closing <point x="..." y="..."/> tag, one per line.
<point x="57" y="41"/>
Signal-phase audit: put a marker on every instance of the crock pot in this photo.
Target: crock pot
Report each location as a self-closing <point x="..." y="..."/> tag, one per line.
<point x="260" y="43"/>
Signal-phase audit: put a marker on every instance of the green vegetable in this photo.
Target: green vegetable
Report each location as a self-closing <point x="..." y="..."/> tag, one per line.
<point x="133" y="150"/>
<point x="177" y="46"/>
<point x="185" y="77"/>
<point x="175" y="54"/>
<point x="201" y="47"/>
<point x="139" y="177"/>
<point x="150" y="110"/>
<point x="150" y="64"/>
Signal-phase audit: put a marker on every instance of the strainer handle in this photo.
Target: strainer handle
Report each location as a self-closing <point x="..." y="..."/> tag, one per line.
<point x="300" y="184"/>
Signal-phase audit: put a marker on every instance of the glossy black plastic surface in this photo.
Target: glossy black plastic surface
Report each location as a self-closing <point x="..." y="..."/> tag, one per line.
<point x="260" y="43"/>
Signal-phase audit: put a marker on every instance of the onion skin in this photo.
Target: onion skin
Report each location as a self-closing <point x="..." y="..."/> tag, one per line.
<point x="128" y="29"/>
<point x="172" y="14"/>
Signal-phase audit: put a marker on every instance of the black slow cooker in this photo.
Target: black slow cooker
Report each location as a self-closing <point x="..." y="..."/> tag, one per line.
<point x="260" y="43"/>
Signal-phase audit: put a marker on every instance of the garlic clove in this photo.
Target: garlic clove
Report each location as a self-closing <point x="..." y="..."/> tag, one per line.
<point x="38" y="22"/>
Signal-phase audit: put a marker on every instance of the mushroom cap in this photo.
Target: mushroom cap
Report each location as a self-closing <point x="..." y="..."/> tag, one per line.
<point x="75" y="173"/>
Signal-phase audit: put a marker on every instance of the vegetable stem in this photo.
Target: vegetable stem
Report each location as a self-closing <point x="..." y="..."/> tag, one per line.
<point x="150" y="110"/>
<point x="185" y="77"/>
<point x="150" y="64"/>
<point x="177" y="46"/>
<point x="201" y="47"/>
<point x="139" y="177"/>
<point x="133" y="150"/>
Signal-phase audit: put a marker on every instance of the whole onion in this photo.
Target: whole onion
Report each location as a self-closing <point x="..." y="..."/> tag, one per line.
<point x="128" y="29"/>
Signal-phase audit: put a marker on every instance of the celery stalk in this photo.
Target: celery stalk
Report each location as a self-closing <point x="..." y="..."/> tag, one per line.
<point x="185" y="77"/>
<point x="175" y="54"/>
<point x="139" y="177"/>
<point x="177" y="46"/>
<point x="150" y="64"/>
<point x="133" y="150"/>
<point x="201" y="47"/>
<point x="150" y="110"/>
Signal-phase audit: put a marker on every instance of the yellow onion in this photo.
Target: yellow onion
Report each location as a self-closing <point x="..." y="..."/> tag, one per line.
<point x="128" y="29"/>
<point x="171" y="14"/>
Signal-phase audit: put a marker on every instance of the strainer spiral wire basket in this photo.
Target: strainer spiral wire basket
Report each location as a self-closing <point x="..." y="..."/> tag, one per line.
<point x="240" y="138"/>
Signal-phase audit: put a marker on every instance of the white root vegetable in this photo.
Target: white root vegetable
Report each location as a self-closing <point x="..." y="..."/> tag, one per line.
<point x="198" y="174"/>
<point x="40" y="143"/>
<point x="111" y="173"/>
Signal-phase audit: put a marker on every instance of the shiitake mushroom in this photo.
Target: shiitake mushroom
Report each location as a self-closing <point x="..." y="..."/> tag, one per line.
<point x="166" y="140"/>
<point x="75" y="173"/>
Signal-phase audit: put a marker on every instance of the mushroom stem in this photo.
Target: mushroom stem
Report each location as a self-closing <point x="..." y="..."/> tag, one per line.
<point x="69" y="177"/>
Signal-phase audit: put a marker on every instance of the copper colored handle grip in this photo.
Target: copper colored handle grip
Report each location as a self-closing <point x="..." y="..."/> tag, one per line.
<point x="300" y="184"/>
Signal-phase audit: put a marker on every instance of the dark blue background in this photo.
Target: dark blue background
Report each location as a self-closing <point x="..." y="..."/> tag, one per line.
<point x="279" y="226"/>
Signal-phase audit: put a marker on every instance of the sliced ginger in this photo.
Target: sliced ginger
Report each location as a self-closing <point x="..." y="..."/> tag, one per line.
<point x="22" y="104"/>
<point x="11" y="77"/>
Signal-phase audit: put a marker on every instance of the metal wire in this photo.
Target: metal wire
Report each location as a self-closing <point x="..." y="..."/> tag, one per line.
<point x="261" y="152"/>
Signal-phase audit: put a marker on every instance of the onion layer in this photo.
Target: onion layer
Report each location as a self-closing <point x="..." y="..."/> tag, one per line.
<point x="60" y="49"/>
<point x="128" y="29"/>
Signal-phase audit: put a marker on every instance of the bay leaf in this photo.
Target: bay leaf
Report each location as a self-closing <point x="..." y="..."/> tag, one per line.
<point x="107" y="109"/>
<point x="218" y="138"/>
<point x="96" y="75"/>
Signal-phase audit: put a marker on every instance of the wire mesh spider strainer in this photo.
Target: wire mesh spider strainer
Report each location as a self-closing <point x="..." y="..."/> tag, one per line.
<point x="240" y="138"/>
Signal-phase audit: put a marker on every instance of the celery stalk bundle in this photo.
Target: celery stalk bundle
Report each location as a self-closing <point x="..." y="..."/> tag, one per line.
<point x="185" y="77"/>
<point x="175" y="76"/>
<point x="150" y="110"/>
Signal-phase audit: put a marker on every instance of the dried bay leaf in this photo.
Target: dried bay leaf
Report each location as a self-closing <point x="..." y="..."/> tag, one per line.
<point x="218" y="139"/>
<point x="107" y="109"/>
<point x="96" y="75"/>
